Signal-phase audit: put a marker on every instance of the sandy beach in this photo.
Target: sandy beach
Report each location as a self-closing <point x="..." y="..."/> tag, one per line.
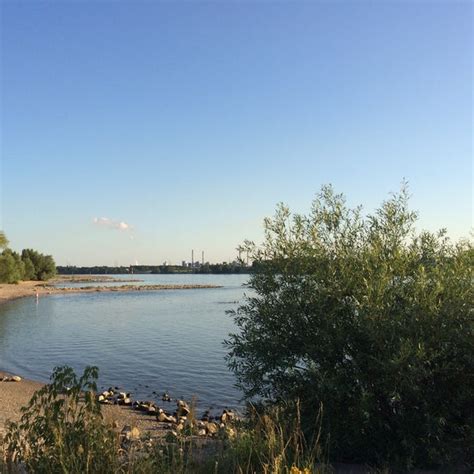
<point x="15" y="395"/>
<point x="24" y="289"/>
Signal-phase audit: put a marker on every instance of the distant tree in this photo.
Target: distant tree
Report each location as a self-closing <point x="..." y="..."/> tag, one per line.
<point x="44" y="266"/>
<point x="47" y="269"/>
<point x="368" y="320"/>
<point x="206" y="268"/>
<point x="29" y="273"/>
<point x="31" y="265"/>
<point x="11" y="267"/>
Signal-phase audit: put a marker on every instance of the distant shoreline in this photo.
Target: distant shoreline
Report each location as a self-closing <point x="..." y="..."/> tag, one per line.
<point x="10" y="292"/>
<point x="196" y="268"/>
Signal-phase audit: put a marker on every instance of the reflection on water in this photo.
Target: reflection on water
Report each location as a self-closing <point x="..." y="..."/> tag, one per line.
<point x="148" y="342"/>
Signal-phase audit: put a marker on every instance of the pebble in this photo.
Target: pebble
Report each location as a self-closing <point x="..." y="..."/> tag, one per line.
<point x="180" y="422"/>
<point x="212" y="428"/>
<point x="13" y="378"/>
<point x="130" y="433"/>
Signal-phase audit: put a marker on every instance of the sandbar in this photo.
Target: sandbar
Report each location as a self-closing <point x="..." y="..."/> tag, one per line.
<point x="33" y="289"/>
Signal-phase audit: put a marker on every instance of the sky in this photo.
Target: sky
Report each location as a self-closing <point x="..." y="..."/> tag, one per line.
<point x="133" y="132"/>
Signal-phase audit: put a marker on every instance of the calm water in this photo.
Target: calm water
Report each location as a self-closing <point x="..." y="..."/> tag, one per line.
<point x="169" y="340"/>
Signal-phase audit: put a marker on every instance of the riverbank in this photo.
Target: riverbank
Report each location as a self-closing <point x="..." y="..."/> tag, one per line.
<point x="15" y="395"/>
<point x="33" y="289"/>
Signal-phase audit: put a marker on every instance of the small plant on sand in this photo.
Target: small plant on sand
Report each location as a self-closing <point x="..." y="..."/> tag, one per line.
<point x="62" y="429"/>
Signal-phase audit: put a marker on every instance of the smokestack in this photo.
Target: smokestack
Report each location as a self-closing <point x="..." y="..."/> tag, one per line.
<point x="192" y="258"/>
<point x="203" y="257"/>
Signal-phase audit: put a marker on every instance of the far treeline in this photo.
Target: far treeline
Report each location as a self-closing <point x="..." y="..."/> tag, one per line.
<point x="29" y="265"/>
<point x="217" y="268"/>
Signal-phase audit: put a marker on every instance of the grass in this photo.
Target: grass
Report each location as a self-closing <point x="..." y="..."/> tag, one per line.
<point x="62" y="431"/>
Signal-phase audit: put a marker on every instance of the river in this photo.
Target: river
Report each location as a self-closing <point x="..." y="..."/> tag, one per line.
<point x="144" y="342"/>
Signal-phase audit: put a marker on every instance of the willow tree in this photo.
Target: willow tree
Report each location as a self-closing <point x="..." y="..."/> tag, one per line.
<point x="370" y="321"/>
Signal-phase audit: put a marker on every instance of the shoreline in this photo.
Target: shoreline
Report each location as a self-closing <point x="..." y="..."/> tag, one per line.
<point x="10" y="292"/>
<point x="15" y="395"/>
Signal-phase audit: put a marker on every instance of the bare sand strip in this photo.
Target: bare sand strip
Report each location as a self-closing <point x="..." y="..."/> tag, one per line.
<point x="33" y="288"/>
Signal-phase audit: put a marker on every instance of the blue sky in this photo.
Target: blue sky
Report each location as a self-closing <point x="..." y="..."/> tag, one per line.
<point x="189" y="121"/>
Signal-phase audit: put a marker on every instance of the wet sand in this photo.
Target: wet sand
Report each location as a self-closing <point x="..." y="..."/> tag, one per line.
<point x="15" y="395"/>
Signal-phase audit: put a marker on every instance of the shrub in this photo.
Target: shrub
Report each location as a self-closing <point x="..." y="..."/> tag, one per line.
<point x="62" y="430"/>
<point x="369" y="319"/>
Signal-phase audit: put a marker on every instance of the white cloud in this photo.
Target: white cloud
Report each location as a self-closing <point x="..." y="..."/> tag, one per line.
<point x="111" y="224"/>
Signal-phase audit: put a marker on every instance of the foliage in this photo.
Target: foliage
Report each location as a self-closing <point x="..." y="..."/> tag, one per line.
<point x="368" y="319"/>
<point x="11" y="267"/>
<point x="97" y="270"/>
<point x="44" y="266"/>
<point x="62" y="430"/>
<point x="271" y="442"/>
<point x="224" y="267"/>
<point x="215" y="268"/>
<point x="31" y="265"/>
<point x="30" y="272"/>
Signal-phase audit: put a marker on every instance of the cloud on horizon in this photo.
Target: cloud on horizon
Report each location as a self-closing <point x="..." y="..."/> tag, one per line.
<point x="108" y="223"/>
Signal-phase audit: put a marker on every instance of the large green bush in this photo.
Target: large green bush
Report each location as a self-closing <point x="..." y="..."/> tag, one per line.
<point x="371" y="321"/>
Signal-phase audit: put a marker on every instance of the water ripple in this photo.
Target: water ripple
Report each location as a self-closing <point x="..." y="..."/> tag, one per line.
<point x="153" y="341"/>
